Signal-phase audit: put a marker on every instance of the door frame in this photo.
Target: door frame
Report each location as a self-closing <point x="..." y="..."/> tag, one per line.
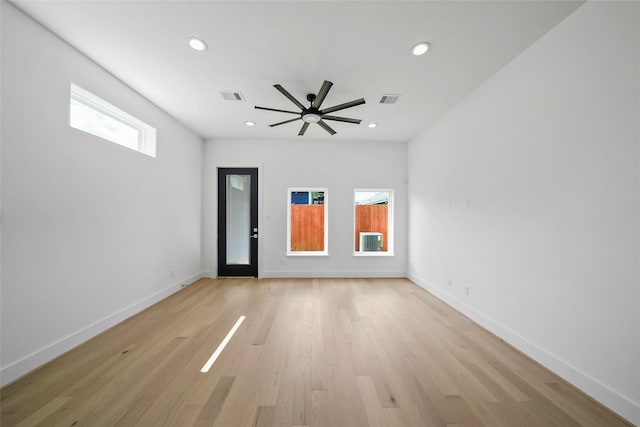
<point x="251" y="270"/>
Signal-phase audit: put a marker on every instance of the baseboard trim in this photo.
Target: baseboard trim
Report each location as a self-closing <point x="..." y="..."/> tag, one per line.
<point x="17" y="369"/>
<point x="332" y="274"/>
<point x="613" y="400"/>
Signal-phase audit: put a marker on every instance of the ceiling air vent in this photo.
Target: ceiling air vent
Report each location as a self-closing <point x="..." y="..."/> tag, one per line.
<point x="232" y="96"/>
<point x="389" y="99"/>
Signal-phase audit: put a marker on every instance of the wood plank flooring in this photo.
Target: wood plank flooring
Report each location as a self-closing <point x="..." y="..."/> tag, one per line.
<point x="311" y="352"/>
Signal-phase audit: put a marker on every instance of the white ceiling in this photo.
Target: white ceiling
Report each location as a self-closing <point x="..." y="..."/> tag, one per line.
<point x="363" y="47"/>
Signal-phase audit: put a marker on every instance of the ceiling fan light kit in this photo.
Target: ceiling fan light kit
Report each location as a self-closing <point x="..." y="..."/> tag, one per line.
<point x="313" y="113"/>
<point x="311" y="118"/>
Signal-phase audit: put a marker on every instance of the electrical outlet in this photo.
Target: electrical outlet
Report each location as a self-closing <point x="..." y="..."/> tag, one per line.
<point x="172" y="273"/>
<point x="466" y="290"/>
<point x="449" y="282"/>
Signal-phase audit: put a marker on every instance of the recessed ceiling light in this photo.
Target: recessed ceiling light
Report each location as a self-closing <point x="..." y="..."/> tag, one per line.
<point x="372" y="125"/>
<point x="197" y="44"/>
<point x="250" y="123"/>
<point x="421" y="48"/>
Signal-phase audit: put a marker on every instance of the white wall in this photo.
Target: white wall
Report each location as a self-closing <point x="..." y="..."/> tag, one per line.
<point x="90" y="230"/>
<point x="338" y="166"/>
<point x="528" y="192"/>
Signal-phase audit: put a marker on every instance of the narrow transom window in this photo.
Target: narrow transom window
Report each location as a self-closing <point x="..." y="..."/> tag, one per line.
<point x="94" y="115"/>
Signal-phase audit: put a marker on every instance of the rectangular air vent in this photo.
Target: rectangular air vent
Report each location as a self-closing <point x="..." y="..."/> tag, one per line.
<point x="232" y="96"/>
<point x="389" y="99"/>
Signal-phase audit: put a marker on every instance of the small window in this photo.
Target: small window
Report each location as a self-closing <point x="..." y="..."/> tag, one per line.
<point x="307" y="223"/>
<point x="373" y="219"/>
<point x="96" y="116"/>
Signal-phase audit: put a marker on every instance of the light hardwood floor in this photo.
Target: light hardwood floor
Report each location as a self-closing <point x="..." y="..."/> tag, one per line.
<point x="311" y="352"/>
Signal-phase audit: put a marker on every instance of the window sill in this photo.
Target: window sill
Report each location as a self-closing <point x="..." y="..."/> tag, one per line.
<point x="323" y="253"/>
<point x="372" y="254"/>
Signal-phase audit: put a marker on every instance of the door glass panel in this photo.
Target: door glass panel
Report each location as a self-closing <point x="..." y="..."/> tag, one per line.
<point x="238" y="219"/>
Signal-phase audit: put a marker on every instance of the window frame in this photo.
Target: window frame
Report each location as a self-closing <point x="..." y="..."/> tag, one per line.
<point x="390" y="222"/>
<point x="324" y="252"/>
<point x="146" y="133"/>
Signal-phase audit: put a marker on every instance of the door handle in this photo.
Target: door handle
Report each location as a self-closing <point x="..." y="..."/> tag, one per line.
<point x="254" y="236"/>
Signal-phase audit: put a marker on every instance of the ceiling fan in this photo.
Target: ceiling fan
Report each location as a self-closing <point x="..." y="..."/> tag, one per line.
<point x="313" y="114"/>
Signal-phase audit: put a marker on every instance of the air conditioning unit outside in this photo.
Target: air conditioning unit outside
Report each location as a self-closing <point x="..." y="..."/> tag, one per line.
<point x="370" y="241"/>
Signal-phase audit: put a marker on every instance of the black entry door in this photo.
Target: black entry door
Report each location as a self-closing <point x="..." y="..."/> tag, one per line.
<point x="238" y="222"/>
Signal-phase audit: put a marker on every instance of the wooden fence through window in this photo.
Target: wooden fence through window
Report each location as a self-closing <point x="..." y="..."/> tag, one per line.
<point x="372" y="218"/>
<point x="307" y="227"/>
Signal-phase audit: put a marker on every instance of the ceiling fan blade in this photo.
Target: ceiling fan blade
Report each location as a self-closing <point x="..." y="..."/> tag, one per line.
<point x="289" y="96"/>
<point x="342" y="119"/>
<point x="286" y="121"/>
<point x="322" y="94"/>
<point x="303" y="129"/>
<point x="343" y="106"/>
<point x="326" y="127"/>
<point x="278" y="110"/>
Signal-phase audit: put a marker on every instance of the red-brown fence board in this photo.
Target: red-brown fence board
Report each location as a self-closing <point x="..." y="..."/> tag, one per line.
<point x="372" y="218"/>
<point x="307" y="227"/>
